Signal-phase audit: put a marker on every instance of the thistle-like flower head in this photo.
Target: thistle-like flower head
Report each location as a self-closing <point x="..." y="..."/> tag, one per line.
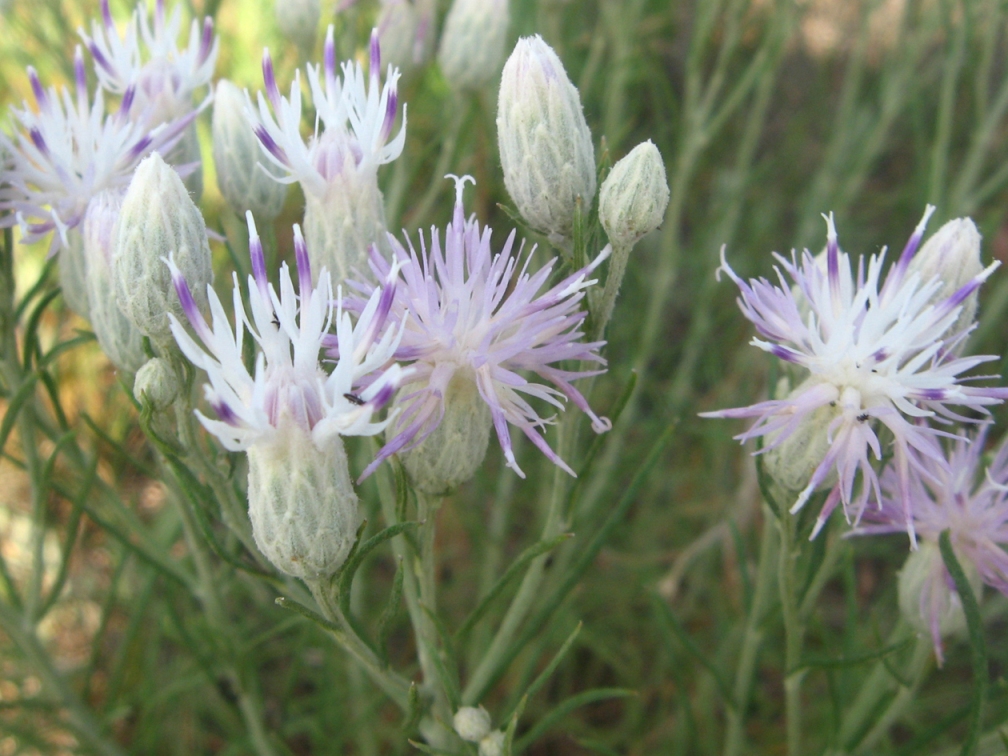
<point x="357" y="115"/>
<point x="288" y="385"/>
<point x="469" y="313"/>
<point x="960" y="497"/>
<point x="878" y="353"/>
<point x="148" y="59"/>
<point x="68" y="151"/>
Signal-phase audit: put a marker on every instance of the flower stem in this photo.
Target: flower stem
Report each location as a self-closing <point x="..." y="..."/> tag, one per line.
<point x="753" y="637"/>
<point x="794" y="631"/>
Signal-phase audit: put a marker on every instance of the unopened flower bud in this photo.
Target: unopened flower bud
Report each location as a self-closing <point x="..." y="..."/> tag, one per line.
<point x="116" y="334"/>
<point x="397" y="26"/>
<point x="188" y="155"/>
<point x="243" y="183"/>
<point x="952" y="254"/>
<point x="298" y="20"/>
<point x="492" y="744"/>
<point x="634" y="196"/>
<point x="545" y="146"/>
<point x="302" y="503"/>
<point x="927" y="597"/>
<point x="73" y="274"/>
<point x="792" y="463"/>
<point x="340" y="226"/>
<point x="158" y="220"/>
<point x="451" y="454"/>
<point x="472" y="723"/>
<point x="156" y="382"/>
<point x="473" y="43"/>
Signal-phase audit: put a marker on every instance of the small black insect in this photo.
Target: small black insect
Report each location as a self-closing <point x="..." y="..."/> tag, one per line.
<point x="353" y="399"/>
<point x="833" y="403"/>
<point x="862" y="417"/>
<point x="276" y="320"/>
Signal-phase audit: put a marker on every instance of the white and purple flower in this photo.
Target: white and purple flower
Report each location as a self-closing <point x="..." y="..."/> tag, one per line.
<point x="164" y="77"/>
<point x="337" y="168"/>
<point x="68" y="151"/>
<point x="469" y="314"/>
<point x="954" y="495"/>
<point x="289" y="387"/>
<point x="877" y="353"/>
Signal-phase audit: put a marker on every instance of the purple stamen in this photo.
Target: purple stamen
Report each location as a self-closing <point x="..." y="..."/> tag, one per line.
<point x="258" y="258"/>
<point x="37" y="90"/>
<point x="127" y="103"/>
<point x="833" y="259"/>
<point x="268" y="142"/>
<point x="101" y="60"/>
<point x="375" y="68"/>
<point x="225" y="413"/>
<point x="80" y="74"/>
<point x="107" y="15"/>
<point x="303" y="265"/>
<point x="329" y="55"/>
<point x="206" y="43"/>
<point x="140" y="147"/>
<point x="390" y="114"/>
<point x="39" y="141"/>
<point x="189" y="307"/>
<point x="269" y="79"/>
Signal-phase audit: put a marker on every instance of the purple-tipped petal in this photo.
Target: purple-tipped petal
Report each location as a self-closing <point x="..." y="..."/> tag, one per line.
<point x="39" y="141"/>
<point x="80" y="75"/>
<point x="270" y="144"/>
<point x="832" y="259"/>
<point x="206" y="42"/>
<point x="390" y="114"/>
<point x="106" y="14"/>
<point x="225" y="413"/>
<point x="269" y="80"/>
<point x="37" y="89"/>
<point x="375" y="67"/>
<point x="303" y="264"/>
<point x="329" y="55"/>
<point x="258" y="258"/>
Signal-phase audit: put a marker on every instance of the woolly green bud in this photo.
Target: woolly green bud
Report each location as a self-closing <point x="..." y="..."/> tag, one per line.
<point x="492" y="744"/>
<point x="953" y="255"/>
<point x="634" y="196"/>
<point x="188" y="153"/>
<point x="298" y="20"/>
<point x="302" y="503"/>
<point x="545" y="146"/>
<point x="242" y="182"/>
<point x="926" y="600"/>
<point x="472" y="723"/>
<point x="341" y="225"/>
<point x="473" y="42"/>
<point x="451" y="454"/>
<point x="397" y="34"/>
<point x="116" y="334"/>
<point x="156" y="382"/>
<point x="73" y="274"/>
<point x="792" y="463"/>
<point x="158" y="220"/>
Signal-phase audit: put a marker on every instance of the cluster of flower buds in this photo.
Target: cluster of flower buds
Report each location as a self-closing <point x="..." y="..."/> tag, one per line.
<point x="878" y="354"/>
<point x="472" y="724"/>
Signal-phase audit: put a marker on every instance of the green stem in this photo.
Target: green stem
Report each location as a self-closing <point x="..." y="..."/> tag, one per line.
<point x="444" y="162"/>
<point x="426" y="576"/>
<point x="874" y="688"/>
<point x="528" y="591"/>
<point x="753" y="638"/>
<point x="920" y="667"/>
<point x="794" y="631"/>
